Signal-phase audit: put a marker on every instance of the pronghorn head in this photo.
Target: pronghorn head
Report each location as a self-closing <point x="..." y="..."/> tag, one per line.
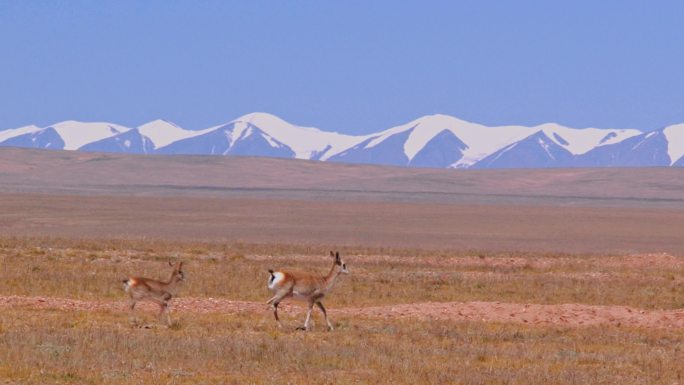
<point x="339" y="263"/>
<point x="177" y="272"/>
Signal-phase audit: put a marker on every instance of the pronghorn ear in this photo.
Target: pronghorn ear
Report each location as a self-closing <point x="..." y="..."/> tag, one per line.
<point x="170" y="263"/>
<point x="332" y="254"/>
<point x="180" y="264"/>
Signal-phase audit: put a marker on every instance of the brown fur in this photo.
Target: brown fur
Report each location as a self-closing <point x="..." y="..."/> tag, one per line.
<point x="159" y="292"/>
<point x="309" y="287"/>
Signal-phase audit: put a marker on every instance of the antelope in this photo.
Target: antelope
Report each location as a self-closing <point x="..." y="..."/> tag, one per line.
<point x="159" y="292"/>
<point x="309" y="287"/>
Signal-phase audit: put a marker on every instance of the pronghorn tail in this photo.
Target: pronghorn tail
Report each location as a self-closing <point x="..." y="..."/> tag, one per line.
<point x="272" y="278"/>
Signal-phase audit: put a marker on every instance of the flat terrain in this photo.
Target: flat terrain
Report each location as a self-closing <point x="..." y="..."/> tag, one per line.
<point x="432" y="318"/>
<point x="374" y="224"/>
<point x="466" y="277"/>
<point x="217" y="199"/>
<point x="78" y="173"/>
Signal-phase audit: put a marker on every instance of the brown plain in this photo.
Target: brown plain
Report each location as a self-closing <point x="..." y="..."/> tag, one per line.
<point x="219" y="199"/>
<point x="457" y="276"/>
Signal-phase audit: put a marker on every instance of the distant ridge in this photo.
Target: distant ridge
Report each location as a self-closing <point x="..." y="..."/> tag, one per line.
<point x="434" y="141"/>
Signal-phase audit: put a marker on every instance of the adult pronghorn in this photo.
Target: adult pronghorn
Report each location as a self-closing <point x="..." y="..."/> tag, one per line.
<point x="309" y="287"/>
<point x="159" y="292"/>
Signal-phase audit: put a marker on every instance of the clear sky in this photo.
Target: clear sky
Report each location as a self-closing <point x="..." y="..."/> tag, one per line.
<point x="348" y="66"/>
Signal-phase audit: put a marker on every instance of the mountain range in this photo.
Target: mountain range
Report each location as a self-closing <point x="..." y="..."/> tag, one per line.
<point x="436" y="141"/>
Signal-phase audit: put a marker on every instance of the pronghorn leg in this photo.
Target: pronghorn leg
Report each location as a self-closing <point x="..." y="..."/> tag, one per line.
<point x="275" y="313"/>
<point x="274" y="302"/>
<point x="325" y="314"/>
<point x="279" y="296"/>
<point x="131" y="312"/>
<point x="165" y="309"/>
<point x="308" y="317"/>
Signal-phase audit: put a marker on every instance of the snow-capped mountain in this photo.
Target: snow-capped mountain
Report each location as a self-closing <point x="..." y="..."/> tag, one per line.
<point x="131" y="141"/>
<point x="536" y="151"/>
<point x="452" y="142"/>
<point x="473" y="141"/>
<point x="306" y="142"/>
<point x="557" y="146"/>
<point x="675" y="144"/>
<point x="438" y="141"/>
<point x="260" y="134"/>
<point x="69" y="135"/>
<point x="162" y="133"/>
<point x="14" y="132"/>
<point x="47" y="138"/>
<point x="236" y="138"/>
<point x="647" y="149"/>
<point x="443" y="150"/>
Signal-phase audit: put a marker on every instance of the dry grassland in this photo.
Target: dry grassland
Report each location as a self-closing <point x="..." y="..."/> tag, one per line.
<point x="457" y="277"/>
<point x="40" y="346"/>
<point x="94" y="270"/>
<point x="96" y="348"/>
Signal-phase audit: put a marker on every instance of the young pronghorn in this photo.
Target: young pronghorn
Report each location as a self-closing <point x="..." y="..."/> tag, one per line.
<point x="159" y="292"/>
<point x="309" y="287"/>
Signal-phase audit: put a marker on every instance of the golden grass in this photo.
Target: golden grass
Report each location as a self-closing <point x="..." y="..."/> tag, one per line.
<point x="38" y="347"/>
<point x="94" y="270"/>
<point x="100" y="347"/>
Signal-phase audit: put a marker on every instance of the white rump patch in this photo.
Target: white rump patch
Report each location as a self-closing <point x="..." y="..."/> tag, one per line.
<point x="275" y="279"/>
<point x="128" y="284"/>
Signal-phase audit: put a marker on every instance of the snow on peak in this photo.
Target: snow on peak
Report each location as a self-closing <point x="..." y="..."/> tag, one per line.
<point x="581" y="140"/>
<point x="675" y="141"/>
<point x="313" y="143"/>
<point x="264" y="120"/>
<point x="304" y="141"/>
<point x="77" y="134"/>
<point x="546" y="146"/>
<point x="422" y="130"/>
<point x="240" y="130"/>
<point x="481" y="140"/>
<point x="427" y="127"/>
<point x="11" y="133"/>
<point x="162" y="132"/>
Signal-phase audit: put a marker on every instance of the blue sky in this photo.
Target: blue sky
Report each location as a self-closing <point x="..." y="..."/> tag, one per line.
<point x="347" y="66"/>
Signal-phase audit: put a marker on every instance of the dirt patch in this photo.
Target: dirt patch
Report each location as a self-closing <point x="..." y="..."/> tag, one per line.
<point x="572" y="315"/>
<point x="568" y="315"/>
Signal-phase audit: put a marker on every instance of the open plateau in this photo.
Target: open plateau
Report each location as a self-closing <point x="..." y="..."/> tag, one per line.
<point x="446" y="275"/>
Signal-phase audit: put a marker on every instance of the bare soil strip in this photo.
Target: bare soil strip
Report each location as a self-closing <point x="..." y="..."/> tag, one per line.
<point x="568" y="315"/>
